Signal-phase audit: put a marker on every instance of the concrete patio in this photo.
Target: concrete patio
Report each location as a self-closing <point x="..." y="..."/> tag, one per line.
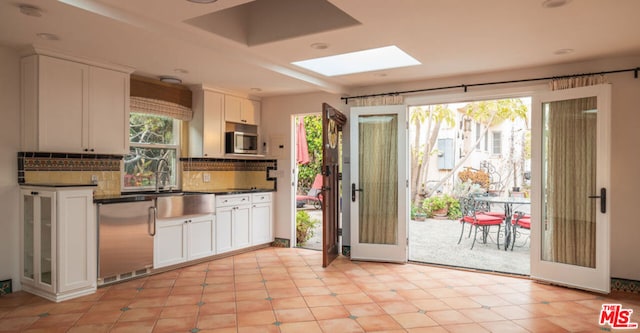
<point x="435" y="241"/>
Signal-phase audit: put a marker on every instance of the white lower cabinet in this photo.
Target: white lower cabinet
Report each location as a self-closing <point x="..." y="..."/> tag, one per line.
<point x="58" y="242"/>
<point x="233" y="229"/>
<point x="240" y="221"/>
<point x="223" y="229"/>
<point x="241" y="234"/>
<point x="243" y="220"/>
<point x="261" y="219"/>
<point x="183" y="239"/>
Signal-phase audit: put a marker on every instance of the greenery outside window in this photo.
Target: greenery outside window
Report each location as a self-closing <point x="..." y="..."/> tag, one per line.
<point x="152" y="138"/>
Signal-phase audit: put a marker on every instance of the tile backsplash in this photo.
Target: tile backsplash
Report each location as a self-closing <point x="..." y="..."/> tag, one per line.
<point x="198" y="174"/>
<point x="62" y="168"/>
<point x="202" y="174"/>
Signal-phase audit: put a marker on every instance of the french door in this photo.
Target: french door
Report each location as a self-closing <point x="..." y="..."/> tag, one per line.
<point x="571" y="173"/>
<point x="332" y="122"/>
<point x="379" y="183"/>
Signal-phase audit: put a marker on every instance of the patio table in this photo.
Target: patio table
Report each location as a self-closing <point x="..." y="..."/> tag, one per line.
<point x="508" y="211"/>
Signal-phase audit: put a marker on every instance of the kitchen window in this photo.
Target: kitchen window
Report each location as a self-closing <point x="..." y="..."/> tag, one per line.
<point x="152" y="138"/>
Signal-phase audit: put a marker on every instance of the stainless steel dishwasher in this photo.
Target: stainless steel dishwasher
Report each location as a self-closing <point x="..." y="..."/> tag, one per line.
<point x="125" y="240"/>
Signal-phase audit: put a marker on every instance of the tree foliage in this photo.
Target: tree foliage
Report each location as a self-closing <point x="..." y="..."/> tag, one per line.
<point x="308" y="172"/>
<point x="489" y="113"/>
<point x="141" y="163"/>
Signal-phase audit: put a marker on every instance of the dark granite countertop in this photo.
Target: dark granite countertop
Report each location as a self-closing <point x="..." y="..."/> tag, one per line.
<point x="150" y="195"/>
<point x="59" y="185"/>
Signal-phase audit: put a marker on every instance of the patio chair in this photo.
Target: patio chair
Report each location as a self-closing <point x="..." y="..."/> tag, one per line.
<point x="518" y="222"/>
<point x="314" y="195"/>
<point x="473" y="213"/>
<point x="485" y="207"/>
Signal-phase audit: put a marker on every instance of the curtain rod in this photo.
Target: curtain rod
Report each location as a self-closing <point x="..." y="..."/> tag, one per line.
<point x="465" y="86"/>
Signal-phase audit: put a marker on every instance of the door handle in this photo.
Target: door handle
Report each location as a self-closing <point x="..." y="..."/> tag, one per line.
<point x="603" y="199"/>
<point x="353" y="191"/>
<point x="151" y="221"/>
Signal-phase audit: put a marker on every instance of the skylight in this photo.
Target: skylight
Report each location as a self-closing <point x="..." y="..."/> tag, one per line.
<point x="358" y="62"/>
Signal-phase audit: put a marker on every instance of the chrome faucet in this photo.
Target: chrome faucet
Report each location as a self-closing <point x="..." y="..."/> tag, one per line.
<point x="160" y="171"/>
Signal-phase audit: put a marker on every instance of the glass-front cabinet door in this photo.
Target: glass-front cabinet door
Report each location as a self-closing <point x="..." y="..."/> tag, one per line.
<point x="38" y="239"/>
<point x="46" y="240"/>
<point x="28" y="234"/>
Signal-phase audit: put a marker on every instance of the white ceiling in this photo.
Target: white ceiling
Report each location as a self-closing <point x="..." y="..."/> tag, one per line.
<point x="449" y="37"/>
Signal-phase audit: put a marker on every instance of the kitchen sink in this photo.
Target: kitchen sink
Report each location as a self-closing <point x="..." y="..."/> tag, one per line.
<point x="179" y="205"/>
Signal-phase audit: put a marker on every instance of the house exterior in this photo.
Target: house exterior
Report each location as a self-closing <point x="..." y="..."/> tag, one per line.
<point x="498" y="150"/>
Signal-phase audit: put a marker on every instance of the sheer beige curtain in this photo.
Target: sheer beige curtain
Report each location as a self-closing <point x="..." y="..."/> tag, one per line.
<point x="571" y="174"/>
<point x="378" y="151"/>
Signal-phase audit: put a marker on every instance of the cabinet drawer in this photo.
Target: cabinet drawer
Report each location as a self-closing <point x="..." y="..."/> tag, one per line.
<point x="261" y="197"/>
<point x="232" y="200"/>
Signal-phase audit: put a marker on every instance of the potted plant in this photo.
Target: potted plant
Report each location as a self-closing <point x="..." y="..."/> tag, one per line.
<point x="435" y="206"/>
<point x="417" y="213"/>
<point x="442" y="206"/>
<point x="304" y="227"/>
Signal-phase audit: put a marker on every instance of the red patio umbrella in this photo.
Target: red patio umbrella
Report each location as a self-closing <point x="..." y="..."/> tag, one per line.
<point x="302" y="150"/>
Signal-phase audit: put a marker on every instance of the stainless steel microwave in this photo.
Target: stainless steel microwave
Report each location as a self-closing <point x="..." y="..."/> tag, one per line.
<point x="241" y="143"/>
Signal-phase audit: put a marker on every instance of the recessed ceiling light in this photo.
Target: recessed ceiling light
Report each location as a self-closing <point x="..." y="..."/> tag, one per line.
<point x="358" y="62"/>
<point x="181" y="71"/>
<point x="319" y="46"/>
<point x="202" y="1"/>
<point x="47" y="36"/>
<point x="256" y="89"/>
<point x="563" y="51"/>
<point x="170" y="79"/>
<point x="554" y="3"/>
<point x="30" y="10"/>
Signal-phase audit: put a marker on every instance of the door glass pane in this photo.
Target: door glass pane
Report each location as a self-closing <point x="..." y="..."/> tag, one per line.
<point x="28" y="237"/>
<point x="378" y="179"/>
<point x="569" y="177"/>
<point x="45" y="240"/>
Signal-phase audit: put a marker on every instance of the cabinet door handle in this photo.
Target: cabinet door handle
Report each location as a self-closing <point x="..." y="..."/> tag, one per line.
<point x="151" y="221"/>
<point x="35" y="193"/>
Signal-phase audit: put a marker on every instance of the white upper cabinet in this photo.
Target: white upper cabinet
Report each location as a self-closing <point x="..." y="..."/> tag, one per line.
<point x="108" y="130"/>
<point x="206" y="129"/>
<point x="241" y="110"/>
<point x="73" y="107"/>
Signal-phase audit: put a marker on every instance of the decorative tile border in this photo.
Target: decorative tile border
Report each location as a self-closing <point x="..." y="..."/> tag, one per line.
<point x="219" y="164"/>
<point x="43" y="161"/>
<point x="5" y="287"/>
<point x="281" y="242"/>
<point x="629" y="286"/>
<point x="346" y="250"/>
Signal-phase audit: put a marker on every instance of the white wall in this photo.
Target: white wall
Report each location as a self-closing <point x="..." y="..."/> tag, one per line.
<point x="276" y="123"/>
<point x="625" y="227"/>
<point x="9" y="145"/>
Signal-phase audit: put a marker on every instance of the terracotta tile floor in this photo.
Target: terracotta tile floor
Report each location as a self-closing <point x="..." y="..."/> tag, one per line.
<point x="286" y="290"/>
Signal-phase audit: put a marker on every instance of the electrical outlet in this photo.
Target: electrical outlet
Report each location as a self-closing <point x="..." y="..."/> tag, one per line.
<point x="94" y="179"/>
<point x="206" y="177"/>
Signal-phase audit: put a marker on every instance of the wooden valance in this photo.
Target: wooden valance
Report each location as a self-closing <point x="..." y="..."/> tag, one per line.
<point x="155" y="89"/>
